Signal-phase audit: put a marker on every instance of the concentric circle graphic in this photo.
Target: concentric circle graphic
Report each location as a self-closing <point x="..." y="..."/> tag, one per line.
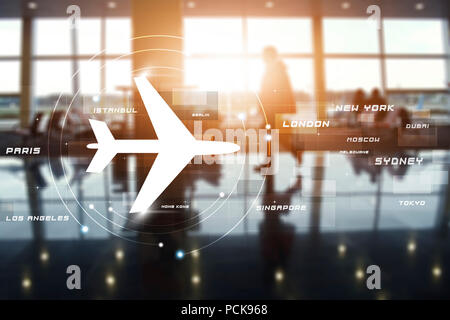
<point x="92" y="212"/>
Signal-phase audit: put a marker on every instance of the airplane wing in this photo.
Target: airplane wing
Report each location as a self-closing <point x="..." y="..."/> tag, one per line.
<point x="175" y="146"/>
<point x="105" y="152"/>
<point x="101" y="159"/>
<point x="167" y="166"/>
<point x="167" y="126"/>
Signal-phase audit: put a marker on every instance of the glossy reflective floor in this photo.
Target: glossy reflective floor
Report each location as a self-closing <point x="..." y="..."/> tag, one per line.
<point x="345" y="215"/>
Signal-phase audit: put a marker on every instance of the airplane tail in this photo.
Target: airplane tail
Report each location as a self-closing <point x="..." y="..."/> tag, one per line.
<point x="105" y="146"/>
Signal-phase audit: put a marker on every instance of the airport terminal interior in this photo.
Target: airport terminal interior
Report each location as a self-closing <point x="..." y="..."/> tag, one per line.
<point x="315" y="195"/>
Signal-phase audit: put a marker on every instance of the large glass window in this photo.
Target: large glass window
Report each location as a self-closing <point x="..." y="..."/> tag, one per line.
<point x="224" y="74"/>
<point x="89" y="77"/>
<point x="288" y="35"/>
<point x="212" y="35"/>
<point x="416" y="73"/>
<point x="350" y="36"/>
<point x="118" y="73"/>
<point x="10" y="50"/>
<point x="226" y="53"/>
<point x="9" y="76"/>
<point x="300" y="72"/>
<point x="418" y="36"/>
<point x="412" y="61"/>
<point x="52" y="77"/>
<point x="415" y="37"/>
<point x="118" y="35"/>
<point x="89" y="36"/>
<point x="10" y="33"/>
<point x="351" y="74"/>
<point x="53" y="38"/>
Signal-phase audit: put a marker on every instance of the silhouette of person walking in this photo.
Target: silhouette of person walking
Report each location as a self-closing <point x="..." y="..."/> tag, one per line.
<point x="276" y="90"/>
<point x="277" y="97"/>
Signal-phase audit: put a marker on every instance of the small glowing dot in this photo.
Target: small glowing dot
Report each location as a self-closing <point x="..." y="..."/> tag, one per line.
<point x="267" y="126"/>
<point x="268" y="137"/>
<point x="420" y="6"/>
<point x="91" y="206"/>
<point x="342" y="249"/>
<point x="143" y="74"/>
<point x="110" y="280"/>
<point x="179" y="254"/>
<point x="381" y="296"/>
<point x="195" y="279"/>
<point x="345" y="5"/>
<point x="195" y="254"/>
<point x="241" y="116"/>
<point x="160" y="244"/>
<point x="32" y="5"/>
<point x="96" y="98"/>
<point x="279" y="275"/>
<point x="269" y="4"/>
<point x="191" y="4"/>
<point x="411" y="246"/>
<point x="110" y="209"/>
<point x="221" y="194"/>
<point x="44" y="256"/>
<point x="437" y="272"/>
<point x="112" y="5"/>
<point x="119" y="254"/>
<point x="359" y="274"/>
<point x="84" y="229"/>
<point x="26" y="283"/>
<point x="37" y="187"/>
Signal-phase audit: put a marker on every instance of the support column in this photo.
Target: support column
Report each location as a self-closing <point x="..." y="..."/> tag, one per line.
<point x="157" y="28"/>
<point x="383" y="58"/>
<point x="25" y="75"/>
<point x="319" y="60"/>
<point x="156" y="24"/>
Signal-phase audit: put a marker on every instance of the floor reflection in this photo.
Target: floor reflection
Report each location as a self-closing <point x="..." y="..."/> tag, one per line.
<point x="348" y="216"/>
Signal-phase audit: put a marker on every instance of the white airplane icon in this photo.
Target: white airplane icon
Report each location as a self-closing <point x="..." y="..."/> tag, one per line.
<point x="175" y="146"/>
